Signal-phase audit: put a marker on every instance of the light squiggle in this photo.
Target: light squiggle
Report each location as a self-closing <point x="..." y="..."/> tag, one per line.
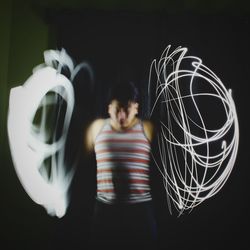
<point x="198" y="133"/>
<point x="32" y="144"/>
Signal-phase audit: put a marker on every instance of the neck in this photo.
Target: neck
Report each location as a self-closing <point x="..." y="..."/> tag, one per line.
<point x="117" y="126"/>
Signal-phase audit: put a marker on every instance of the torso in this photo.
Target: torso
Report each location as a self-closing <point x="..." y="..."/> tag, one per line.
<point x="122" y="164"/>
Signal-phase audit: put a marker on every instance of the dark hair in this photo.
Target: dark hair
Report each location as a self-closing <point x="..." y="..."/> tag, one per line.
<point x="124" y="92"/>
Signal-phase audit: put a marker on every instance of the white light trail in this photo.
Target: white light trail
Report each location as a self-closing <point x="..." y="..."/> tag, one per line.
<point x="198" y="133"/>
<point x="32" y="144"/>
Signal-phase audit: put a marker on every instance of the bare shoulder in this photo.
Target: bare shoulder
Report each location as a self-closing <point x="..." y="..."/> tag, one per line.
<point x="148" y="129"/>
<point x="92" y="131"/>
<point x="97" y="125"/>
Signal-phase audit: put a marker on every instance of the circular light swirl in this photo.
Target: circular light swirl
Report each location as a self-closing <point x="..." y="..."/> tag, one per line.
<point x="28" y="141"/>
<point x="198" y="133"/>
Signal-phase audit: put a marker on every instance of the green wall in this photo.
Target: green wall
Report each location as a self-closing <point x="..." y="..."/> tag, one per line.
<point x="24" y="37"/>
<point x="5" y="28"/>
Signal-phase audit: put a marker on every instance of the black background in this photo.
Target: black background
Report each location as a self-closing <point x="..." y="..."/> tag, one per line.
<point x="121" y="45"/>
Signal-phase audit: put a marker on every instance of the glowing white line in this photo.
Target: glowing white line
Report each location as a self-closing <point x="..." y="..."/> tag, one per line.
<point x="28" y="142"/>
<point x="193" y="167"/>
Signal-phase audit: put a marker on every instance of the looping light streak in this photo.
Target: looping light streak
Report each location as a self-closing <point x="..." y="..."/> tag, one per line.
<point x="193" y="167"/>
<point x="31" y="144"/>
<point x="198" y="133"/>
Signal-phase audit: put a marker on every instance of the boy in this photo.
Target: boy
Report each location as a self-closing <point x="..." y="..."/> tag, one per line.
<point x="123" y="212"/>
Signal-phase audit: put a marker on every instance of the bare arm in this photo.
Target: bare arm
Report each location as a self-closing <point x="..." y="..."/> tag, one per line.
<point x="149" y="129"/>
<point x="91" y="133"/>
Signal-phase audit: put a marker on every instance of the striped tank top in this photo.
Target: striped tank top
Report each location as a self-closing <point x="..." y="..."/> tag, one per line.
<point x="122" y="165"/>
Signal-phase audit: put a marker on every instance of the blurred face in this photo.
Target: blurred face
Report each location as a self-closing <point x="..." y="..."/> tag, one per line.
<point x="122" y="116"/>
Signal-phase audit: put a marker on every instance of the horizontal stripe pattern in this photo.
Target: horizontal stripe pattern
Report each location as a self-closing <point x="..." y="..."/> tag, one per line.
<point x="122" y="165"/>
